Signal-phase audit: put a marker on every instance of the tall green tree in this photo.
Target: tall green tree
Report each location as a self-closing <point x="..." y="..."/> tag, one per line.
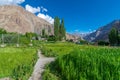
<point x="62" y="31"/>
<point x="113" y="36"/>
<point x="56" y="28"/>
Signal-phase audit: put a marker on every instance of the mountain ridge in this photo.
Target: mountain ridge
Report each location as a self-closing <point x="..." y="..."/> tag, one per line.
<point x="16" y="19"/>
<point x="102" y="32"/>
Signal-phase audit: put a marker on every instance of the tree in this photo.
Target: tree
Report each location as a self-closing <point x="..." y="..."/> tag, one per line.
<point x="113" y="36"/>
<point x="62" y="32"/>
<point x="43" y="33"/>
<point x="2" y="31"/>
<point x="119" y="39"/>
<point x="30" y="35"/>
<point x="56" y="28"/>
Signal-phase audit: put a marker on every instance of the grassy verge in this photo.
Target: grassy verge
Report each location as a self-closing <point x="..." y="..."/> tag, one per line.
<point x="17" y="63"/>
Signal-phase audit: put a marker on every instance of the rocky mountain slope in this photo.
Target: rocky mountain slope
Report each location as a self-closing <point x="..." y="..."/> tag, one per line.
<point x="73" y="37"/>
<point x="17" y="19"/>
<point x="102" y="32"/>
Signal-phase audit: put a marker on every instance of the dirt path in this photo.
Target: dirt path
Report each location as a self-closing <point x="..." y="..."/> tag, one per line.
<point x="5" y="79"/>
<point x="39" y="66"/>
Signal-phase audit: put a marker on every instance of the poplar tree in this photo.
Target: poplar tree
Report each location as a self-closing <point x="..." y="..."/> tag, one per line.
<point x="56" y="28"/>
<point x="62" y="30"/>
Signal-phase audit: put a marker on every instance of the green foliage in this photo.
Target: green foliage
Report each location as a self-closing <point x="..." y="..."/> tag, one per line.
<point x="51" y="38"/>
<point x="17" y="63"/>
<point x="30" y="35"/>
<point x="76" y="62"/>
<point x="55" y="49"/>
<point x="56" y="28"/>
<point x="9" y="38"/>
<point x="24" y="40"/>
<point x="119" y="39"/>
<point x="43" y="33"/>
<point x="83" y="42"/>
<point x="49" y="76"/>
<point x="62" y="32"/>
<point x="48" y="52"/>
<point x="113" y="36"/>
<point x="2" y="31"/>
<point x="59" y="29"/>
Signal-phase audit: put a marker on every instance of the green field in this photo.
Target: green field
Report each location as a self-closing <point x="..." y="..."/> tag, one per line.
<point x="17" y="63"/>
<point x="75" y="62"/>
<point x="55" y="49"/>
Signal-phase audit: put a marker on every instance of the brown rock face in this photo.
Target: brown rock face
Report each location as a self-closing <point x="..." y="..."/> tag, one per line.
<point x="72" y="37"/>
<point x="16" y="19"/>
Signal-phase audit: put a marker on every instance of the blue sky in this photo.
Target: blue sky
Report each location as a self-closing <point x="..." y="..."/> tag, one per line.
<point x="79" y="15"/>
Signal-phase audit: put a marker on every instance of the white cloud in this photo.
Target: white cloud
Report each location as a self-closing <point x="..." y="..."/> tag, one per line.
<point x="32" y="9"/>
<point x="41" y="15"/>
<point x="11" y="2"/>
<point x="44" y="9"/>
<point x="46" y="17"/>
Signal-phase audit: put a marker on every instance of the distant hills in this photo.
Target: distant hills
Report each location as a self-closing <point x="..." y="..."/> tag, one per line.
<point x="102" y="32"/>
<point x="17" y="19"/>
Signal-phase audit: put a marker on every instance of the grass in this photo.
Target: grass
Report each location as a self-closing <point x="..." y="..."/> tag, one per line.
<point x="17" y="63"/>
<point x="83" y="62"/>
<point x="56" y="49"/>
<point x="73" y="62"/>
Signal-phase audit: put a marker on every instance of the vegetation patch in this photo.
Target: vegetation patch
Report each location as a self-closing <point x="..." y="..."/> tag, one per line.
<point x="87" y="63"/>
<point x="17" y="63"/>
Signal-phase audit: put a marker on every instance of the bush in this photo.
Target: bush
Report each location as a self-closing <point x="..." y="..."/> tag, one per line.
<point x="51" y="38"/>
<point x="24" y="40"/>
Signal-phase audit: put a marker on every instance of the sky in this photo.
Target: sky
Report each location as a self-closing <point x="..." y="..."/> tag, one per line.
<point x="79" y="15"/>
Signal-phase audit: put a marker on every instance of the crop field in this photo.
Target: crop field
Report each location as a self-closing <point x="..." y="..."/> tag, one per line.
<point x="17" y="63"/>
<point x="55" y="49"/>
<point x="82" y="62"/>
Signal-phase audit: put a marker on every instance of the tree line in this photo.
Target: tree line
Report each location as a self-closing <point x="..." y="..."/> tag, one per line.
<point x="59" y="31"/>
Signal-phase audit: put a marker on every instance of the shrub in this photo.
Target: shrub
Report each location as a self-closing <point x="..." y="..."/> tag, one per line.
<point x="51" y="38"/>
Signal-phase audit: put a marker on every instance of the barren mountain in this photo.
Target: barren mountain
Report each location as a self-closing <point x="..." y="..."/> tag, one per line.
<point x="102" y="32"/>
<point x="17" y="19"/>
<point x="73" y="37"/>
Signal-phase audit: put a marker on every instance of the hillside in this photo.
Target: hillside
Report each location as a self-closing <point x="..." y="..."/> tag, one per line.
<point x="102" y="32"/>
<point x="73" y="37"/>
<point x="17" y="19"/>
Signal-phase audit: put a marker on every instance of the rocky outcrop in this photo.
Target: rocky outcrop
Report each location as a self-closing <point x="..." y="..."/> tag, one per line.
<point x="17" y="19"/>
